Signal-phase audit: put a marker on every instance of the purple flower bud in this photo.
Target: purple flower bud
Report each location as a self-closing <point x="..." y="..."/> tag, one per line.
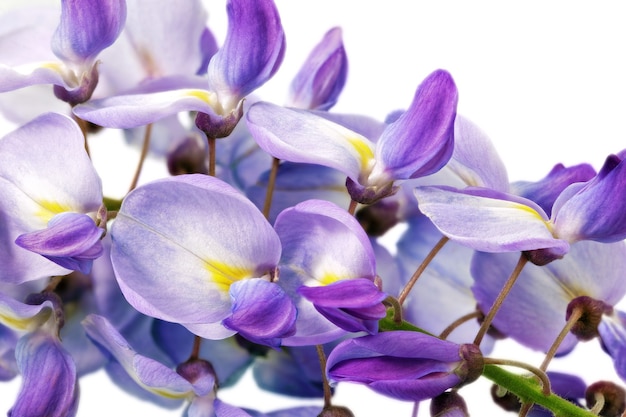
<point x="405" y="365"/>
<point x="448" y="404"/>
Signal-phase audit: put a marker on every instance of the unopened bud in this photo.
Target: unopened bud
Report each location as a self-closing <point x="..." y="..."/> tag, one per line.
<point x="613" y="395"/>
<point x="448" y="404"/>
<point x="187" y="158"/>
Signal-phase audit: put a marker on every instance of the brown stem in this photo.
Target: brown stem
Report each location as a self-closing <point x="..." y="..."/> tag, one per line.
<point x="523" y="412"/>
<point x="573" y="318"/>
<point x="352" y="207"/>
<point x="195" y="350"/>
<point x="142" y="157"/>
<point x="545" y="381"/>
<point x="508" y="285"/>
<point x="53" y="283"/>
<point x="420" y="269"/>
<point x="599" y="404"/>
<point x="82" y="124"/>
<point x="212" y="156"/>
<point x="327" y="393"/>
<point x="397" y="308"/>
<point x="456" y="323"/>
<point x="270" y="188"/>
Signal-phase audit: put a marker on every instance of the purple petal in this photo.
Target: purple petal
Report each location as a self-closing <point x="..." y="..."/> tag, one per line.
<point x="49" y="384"/>
<point x="189" y="237"/>
<point x="354" y="304"/>
<point x="595" y="210"/>
<point x="87" y="27"/>
<point x="322" y="77"/>
<point x="252" y="52"/>
<point x="421" y="141"/>
<point x="148" y="373"/>
<point x="612" y="331"/>
<point x="23" y="317"/>
<point x="487" y="220"/>
<point x="261" y="312"/>
<point x="300" y="136"/>
<point x="545" y="191"/>
<point x="71" y="240"/>
<point x="27" y="75"/>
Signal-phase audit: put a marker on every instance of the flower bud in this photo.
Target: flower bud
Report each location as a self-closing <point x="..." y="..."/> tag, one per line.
<point x="448" y="404"/>
<point x="586" y="328"/>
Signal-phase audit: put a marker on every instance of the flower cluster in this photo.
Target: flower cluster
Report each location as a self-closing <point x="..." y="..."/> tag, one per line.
<point x="262" y="247"/>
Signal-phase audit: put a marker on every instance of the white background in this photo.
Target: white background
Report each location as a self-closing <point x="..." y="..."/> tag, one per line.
<point x="546" y="81"/>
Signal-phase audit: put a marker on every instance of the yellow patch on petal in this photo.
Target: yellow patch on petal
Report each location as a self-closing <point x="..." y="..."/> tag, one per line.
<point x="328" y="278"/>
<point x="49" y="209"/>
<point x="365" y="152"/>
<point x="24" y="324"/>
<point x="224" y="275"/>
<point x="207" y="96"/>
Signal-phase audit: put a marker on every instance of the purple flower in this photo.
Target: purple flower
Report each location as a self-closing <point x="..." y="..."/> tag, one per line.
<point x="492" y="221"/>
<point x="408" y="366"/>
<point x="202" y="243"/>
<point x="419" y="143"/>
<point x="49" y="201"/>
<point x="329" y="269"/>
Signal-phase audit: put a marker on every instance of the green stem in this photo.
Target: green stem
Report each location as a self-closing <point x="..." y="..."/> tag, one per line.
<point x="529" y="391"/>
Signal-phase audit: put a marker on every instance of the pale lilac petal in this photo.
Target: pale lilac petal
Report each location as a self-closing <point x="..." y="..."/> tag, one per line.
<point x="141" y="109"/>
<point x="594" y="210"/>
<point x="421" y="141"/>
<point x="148" y="373"/>
<point x="71" y="240"/>
<point x="323" y="75"/>
<point x="325" y="242"/>
<point x="26" y="33"/>
<point x="252" y="52"/>
<point x="612" y="331"/>
<point x="299" y="136"/>
<point x="261" y="312"/>
<point x="87" y="27"/>
<point x="475" y="159"/>
<point x="12" y="78"/>
<point x="38" y="182"/>
<point x="189" y="237"/>
<point x="487" y="220"/>
<point x="49" y="384"/>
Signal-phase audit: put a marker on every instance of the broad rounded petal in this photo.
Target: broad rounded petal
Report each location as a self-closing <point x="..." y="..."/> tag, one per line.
<point x="179" y="243"/>
<point x="299" y="136"/>
<point x="87" y="27"/>
<point x="323" y="75"/>
<point x="252" y="52"/>
<point x="42" y="359"/>
<point x="141" y="109"/>
<point x="488" y="221"/>
<point x="262" y="312"/>
<point x="38" y="182"/>
<point x="421" y="141"/>
<point x="148" y="373"/>
<point x="534" y="311"/>
<point x="325" y="242"/>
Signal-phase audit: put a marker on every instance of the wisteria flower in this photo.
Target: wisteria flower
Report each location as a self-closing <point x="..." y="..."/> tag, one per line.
<point x="209" y="262"/>
<point x="419" y="143"/>
<point x="50" y="201"/>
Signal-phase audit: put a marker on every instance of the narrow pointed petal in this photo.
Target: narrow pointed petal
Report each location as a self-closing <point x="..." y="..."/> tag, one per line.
<point x="87" y="27"/>
<point x="148" y="373"/>
<point x="421" y="141"/>
<point x="71" y="240"/>
<point x="262" y="312"/>
<point x="487" y="220"/>
<point x="595" y="210"/>
<point x="141" y="109"/>
<point x="49" y="386"/>
<point x="189" y="237"/>
<point x="545" y="191"/>
<point x="299" y="136"/>
<point x="322" y="77"/>
<point x="252" y="52"/>
<point x="475" y="159"/>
